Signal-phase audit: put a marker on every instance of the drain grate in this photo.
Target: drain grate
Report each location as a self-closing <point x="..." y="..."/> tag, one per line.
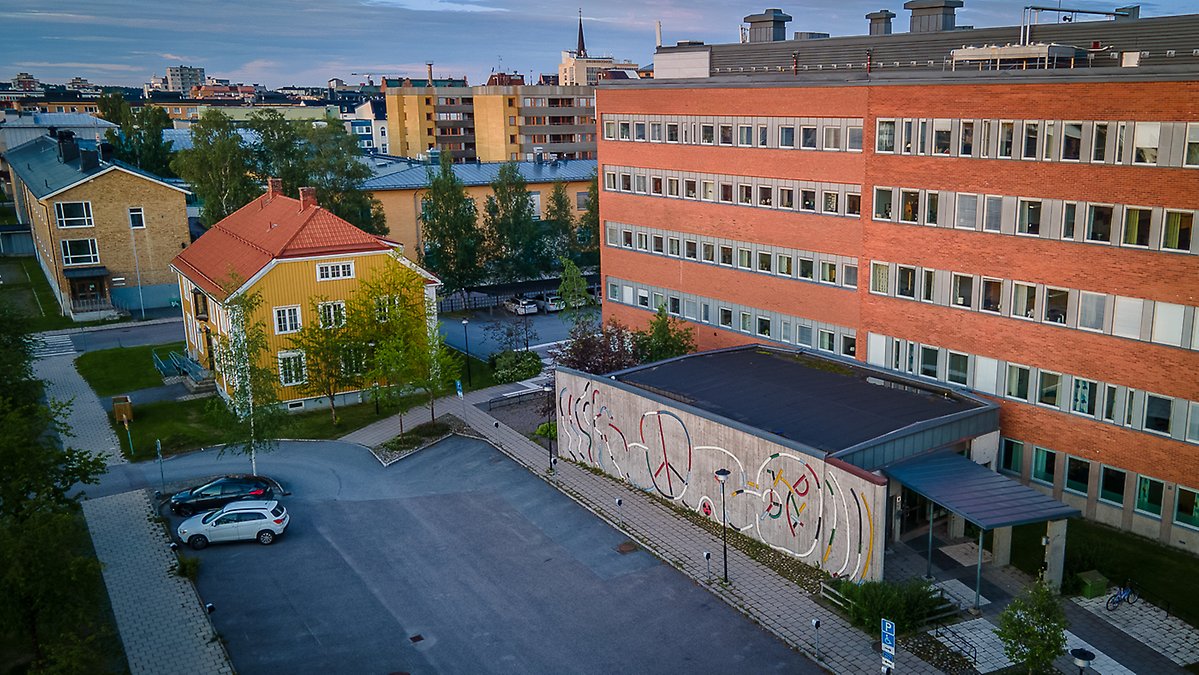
<point x="417" y="638"/>
<point x="626" y="547"/>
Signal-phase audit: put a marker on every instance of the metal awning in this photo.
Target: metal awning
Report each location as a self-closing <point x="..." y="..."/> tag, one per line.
<point x="974" y="492"/>
<point x="85" y="272"/>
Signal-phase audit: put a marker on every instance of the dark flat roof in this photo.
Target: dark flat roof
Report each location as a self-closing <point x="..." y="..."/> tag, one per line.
<point x="976" y="493"/>
<point x="822" y="402"/>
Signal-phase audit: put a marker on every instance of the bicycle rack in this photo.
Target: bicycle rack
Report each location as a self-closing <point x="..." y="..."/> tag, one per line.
<point x="958" y="642"/>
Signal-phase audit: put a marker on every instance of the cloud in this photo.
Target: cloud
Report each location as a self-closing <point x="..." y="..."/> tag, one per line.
<point x="38" y="15"/>
<point x="176" y="57"/>
<point x="437" y="6"/>
<point x="114" y="67"/>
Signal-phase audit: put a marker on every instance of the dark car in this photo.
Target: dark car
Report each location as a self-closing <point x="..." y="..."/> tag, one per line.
<point x="219" y="492"/>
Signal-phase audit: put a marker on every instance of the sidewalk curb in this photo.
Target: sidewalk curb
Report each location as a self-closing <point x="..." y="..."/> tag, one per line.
<point x="112" y="326"/>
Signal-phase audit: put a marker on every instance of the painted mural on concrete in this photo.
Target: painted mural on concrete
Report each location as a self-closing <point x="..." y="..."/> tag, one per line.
<point x="824" y="515"/>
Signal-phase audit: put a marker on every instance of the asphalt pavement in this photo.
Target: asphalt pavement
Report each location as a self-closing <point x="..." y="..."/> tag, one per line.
<point x="546" y="330"/>
<point x="455" y="559"/>
<point x="129" y="335"/>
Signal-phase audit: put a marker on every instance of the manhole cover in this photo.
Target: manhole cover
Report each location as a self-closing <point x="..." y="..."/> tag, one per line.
<point x="417" y="638"/>
<point x="626" y="547"/>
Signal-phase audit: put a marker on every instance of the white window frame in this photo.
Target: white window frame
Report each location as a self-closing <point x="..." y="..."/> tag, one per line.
<point x="328" y="310"/>
<point x="60" y="219"/>
<point x="141" y="213"/>
<point x="290" y="354"/>
<point x="69" y="260"/>
<point x="333" y="271"/>
<point x="284" y="313"/>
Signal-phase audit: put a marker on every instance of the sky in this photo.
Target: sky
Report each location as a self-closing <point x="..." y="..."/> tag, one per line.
<point x="305" y="42"/>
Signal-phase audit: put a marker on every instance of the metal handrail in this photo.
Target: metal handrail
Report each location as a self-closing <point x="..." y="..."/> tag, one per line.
<point x="166" y="368"/>
<point x="194" y="370"/>
<point x="959" y="642"/>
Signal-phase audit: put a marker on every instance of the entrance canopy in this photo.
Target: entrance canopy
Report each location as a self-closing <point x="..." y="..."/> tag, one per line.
<point x="85" y="272"/>
<point x="974" y="492"/>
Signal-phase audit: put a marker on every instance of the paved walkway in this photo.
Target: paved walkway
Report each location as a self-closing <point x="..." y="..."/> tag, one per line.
<point x="1168" y="635"/>
<point x="780" y="606"/>
<point x="162" y="623"/>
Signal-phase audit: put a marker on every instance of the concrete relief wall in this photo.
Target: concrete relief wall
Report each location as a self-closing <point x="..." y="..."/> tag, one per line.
<point x="828" y="517"/>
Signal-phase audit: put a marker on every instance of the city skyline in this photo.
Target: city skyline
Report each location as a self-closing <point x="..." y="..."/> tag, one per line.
<point x="306" y="42"/>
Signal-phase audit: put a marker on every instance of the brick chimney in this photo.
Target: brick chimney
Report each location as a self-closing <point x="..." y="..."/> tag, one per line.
<point x="274" y="188"/>
<point x="307" y="197"/>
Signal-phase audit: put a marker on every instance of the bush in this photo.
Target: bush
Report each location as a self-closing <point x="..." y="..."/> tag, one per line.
<point x="907" y="604"/>
<point x="514" y="366"/>
<point x="189" y="567"/>
<point x="547" y="430"/>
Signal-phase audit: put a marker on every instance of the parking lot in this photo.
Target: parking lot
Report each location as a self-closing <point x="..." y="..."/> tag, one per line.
<point x="453" y="560"/>
<point x="548" y="328"/>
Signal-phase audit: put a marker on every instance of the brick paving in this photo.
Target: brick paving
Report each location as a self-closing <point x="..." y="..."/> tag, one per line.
<point x="159" y="616"/>
<point x="162" y="622"/>
<point x="778" y="605"/>
<point x="1168" y="635"/>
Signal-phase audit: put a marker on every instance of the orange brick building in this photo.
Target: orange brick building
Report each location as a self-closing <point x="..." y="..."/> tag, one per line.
<point x="1022" y="231"/>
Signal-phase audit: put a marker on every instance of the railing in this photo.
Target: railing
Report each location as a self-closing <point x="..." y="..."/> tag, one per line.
<point x="957" y="642"/>
<point x="194" y="370"/>
<point x="514" y="397"/>
<point x="455" y="302"/>
<point x="946" y="609"/>
<point x="832" y="595"/>
<point x="166" y="368"/>
<point x="91" y="305"/>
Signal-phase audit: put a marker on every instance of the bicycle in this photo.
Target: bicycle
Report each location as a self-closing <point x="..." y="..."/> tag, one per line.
<point x="1125" y="593"/>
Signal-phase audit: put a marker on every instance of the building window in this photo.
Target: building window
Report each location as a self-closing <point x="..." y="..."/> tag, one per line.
<point x="642" y="241"/>
<point x="786" y="137"/>
<point x="330" y="271"/>
<point x="1145" y="142"/>
<point x="1126" y="319"/>
<point x="966" y="146"/>
<point x="828" y="272"/>
<point x="853" y="204"/>
<point x="708" y="252"/>
<point x="688" y="188"/>
<point x="1091" y="310"/>
<point x="1193" y="422"/>
<point x="745" y="194"/>
<point x="639" y="131"/>
<point x="707" y="134"/>
<point x="909" y="206"/>
<point x="1187" y="510"/>
<point x="709" y="191"/>
<point x="627" y="238"/>
<point x="725" y="317"/>
<point x="764" y="326"/>
<point x="942" y="131"/>
<point x="726" y="134"/>
<point x="672" y="132"/>
<point x="959" y="368"/>
<point x="849" y="276"/>
<point x="746" y="322"/>
<point x="832" y="138"/>
<point x="1057" y="301"/>
<point x="73" y="214"/>
<point x="807" y="200"/>
<point x="137" y="218"/>
<point x="291" y="368"/>
<point x="963" y="291"/>
<point x="1176" y="234"/>
<point x="1031" y="133"/>
<point x="1167" y="323"/>
<point x="658" y="243"/>
<point x="674" y="305"/>
<point x="905" y="282"/>
<point x="1044" y="465"/>
<point x="609" y="181"/>
<point x="1191" y="154"/>
<point x="745" y="135"/>
<point x="1136" y="226"/>
<point x="827" y="340"/>
<point x="932" y="200"/>
<point x="287" y="319"/>
<point x="993" y="215"/>
<point x="690" y="250"/>
<point x="928" y="288"/>
<point x="967" y="212"/>
<point x="783" y="265"/>
<point x="1048" y="392"/>
<point x="853" y="136"/>
<point x="726" y="255"/>
<point x="1082" y="400"/>
<point x="333" y="314"/>
<point x="1099" y="144"/>
<point x="726" y="193"/>
<point x="849" y="345"/>
<point x="1157" y="413"/>
<point x="79" y="252"/>
<point x="765" y="195"/>
<point x="992" y="295"/>
<point x="884" y="140"/>
<point x="639" y="185"/>
<point x="655" y="185"/>
<point x="1078" y="474"/>
<point x="1017" y="382"/>
<point x="1149" y="495"/>
<point x="764" y="261"/>
<point x="1072" y="142"/>
<point x="1099" y="223"/>
<point x="806" y="269"/>
<point x="1029" y="221"/>
<point x="745" y="259"/>
<point x="624" y="131"/>
<point x="831" y="200"/>
<point x="879" y="282"/>
<point x="642" y="298"/>
<point x="786" y="198"/>
<point x="1011" y="456"/>
<point x="1007" y="139"/>
<point x="655" y="132"/>
<point x="1109" y="402"/>
<point x="613" y="291"/>
<point x="929" y="360"/>
<point x="1111" y="485"/>
<point x="807" y="138"/>
<point x="882" y="203"/>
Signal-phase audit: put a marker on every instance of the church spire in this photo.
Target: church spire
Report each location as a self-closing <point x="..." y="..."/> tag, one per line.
<point x="581" y="51"/>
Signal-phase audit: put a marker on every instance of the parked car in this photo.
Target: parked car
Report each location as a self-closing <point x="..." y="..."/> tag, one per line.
<point x="237" y="521"/>
<point x="520" y="306"/>
<point x="550" y="302"/>
<point x="219" y="492"/>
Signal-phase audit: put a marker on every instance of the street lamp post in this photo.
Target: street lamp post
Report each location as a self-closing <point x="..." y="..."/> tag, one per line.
<point x="1082" y="658"/>
<point x="375" y="393"/>
<point x="722" y="476"/>
<point x="548" y="436"/>
<point x="466" y="338"/>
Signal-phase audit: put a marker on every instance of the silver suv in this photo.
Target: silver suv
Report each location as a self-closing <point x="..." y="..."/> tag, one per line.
<point x="236" y="521"/>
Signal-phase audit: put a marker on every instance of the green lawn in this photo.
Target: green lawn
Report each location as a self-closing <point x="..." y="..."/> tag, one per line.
<point x="481" y="375"/>
<point x="8" y="215"/>
<point x="26" y="288"/>
<point x="119" y="371"/>
<point x="1160" y="572"/>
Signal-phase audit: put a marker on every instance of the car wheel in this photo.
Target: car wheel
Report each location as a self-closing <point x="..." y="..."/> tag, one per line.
<point x="197" y="541"/>
<point x="266" y="537"/>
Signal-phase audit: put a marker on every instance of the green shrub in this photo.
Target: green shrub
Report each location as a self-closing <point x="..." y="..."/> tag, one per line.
<point x="514" y="366"/>
<point x="188" y="566"/>
<point x="547" y="430"/>
<point x="906" y="604"/>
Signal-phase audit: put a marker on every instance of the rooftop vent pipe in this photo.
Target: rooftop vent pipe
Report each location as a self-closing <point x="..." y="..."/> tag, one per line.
<point x="932" y="16"/>
<point x="880" y="22"/>
<point x="769" y="26"/>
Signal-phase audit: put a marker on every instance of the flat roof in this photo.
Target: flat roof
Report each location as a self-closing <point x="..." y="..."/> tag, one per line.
<point x="976" y="493"/>
<point x="835" y="406"/>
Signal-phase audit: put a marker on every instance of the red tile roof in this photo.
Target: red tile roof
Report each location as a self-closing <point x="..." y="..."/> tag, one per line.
<point x="270" y="227"/>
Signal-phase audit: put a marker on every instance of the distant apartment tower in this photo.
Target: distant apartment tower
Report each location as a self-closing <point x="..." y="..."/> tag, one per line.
<point x="579" y="68"/>
<point x="183" y="78"/>
<point x="1010" y="210"/>
<point x="26" y="82"/>
<point x="501" y="121"/>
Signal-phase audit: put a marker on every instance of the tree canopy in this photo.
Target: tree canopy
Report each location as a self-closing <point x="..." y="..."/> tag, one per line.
<point x="665" y="338"/>
<point x="514" y="236"/>
<point x="1032" y="628"/>
<point x="453" y="242"/>
<point x="585" y="245"/>
<point x="217" y="167"/>
<point x="139" y="139"/>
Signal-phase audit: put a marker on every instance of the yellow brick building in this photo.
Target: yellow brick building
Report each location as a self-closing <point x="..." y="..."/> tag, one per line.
<point x="104" y="232"/>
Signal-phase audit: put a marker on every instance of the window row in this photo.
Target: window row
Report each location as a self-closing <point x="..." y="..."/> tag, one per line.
<point x="762" y="324"/>
<point x="784" y="262"/>
<point x="789" y="133"/>
<point x="1129" y="226"/>
<point x="68" y="215"/>
<point x="830" y="199"/>
<point x="332" y="315"/>
<point x="1074" y="474"/>
<point x="1161" y="322"/>
<point x="1103" y="402"/>
<point x="1097" y="142"/>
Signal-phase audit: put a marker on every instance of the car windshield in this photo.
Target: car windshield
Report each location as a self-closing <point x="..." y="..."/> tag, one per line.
<point x="210" y="517"/>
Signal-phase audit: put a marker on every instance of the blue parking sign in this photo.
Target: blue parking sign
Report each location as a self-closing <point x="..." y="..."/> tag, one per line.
<point x="458" y="386"/>
<point x="888" y="633"/>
